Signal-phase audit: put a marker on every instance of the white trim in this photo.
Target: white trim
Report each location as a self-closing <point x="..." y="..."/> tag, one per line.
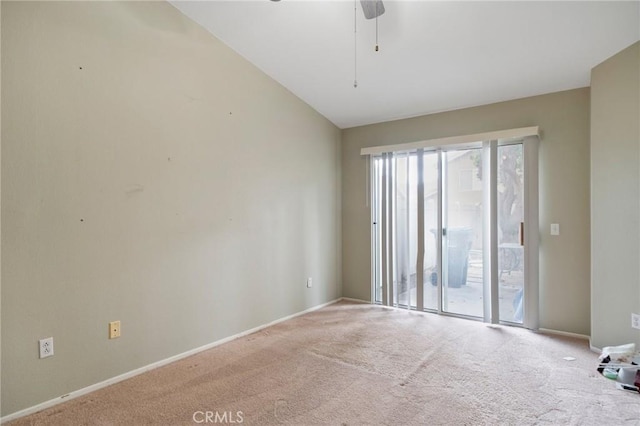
<point x="564" y="333"/>
<point x="391" y="218"/>
<point x="531" y="218"/>
<point x="420" y="231"/>
<point x="153" y="366"/>
<point x="384" y="238"/>
<point x="492" y="221"/>
<point x="407" y="224"/>
<point x="538" y="331"/>
<point x="500" y="135"/>
<point x="351" y="299"/>
<point x="487" y="241"/>
<point x="374" y="221"/>
<point x="440" y="223"/>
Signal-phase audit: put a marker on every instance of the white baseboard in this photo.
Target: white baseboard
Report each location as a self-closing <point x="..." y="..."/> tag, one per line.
<point x="539" y="330"/>
<point x="137" y="371"/>
<point x="594" y="349"/>
<point x="351" y="299"/>
<point x="564" y="333"/>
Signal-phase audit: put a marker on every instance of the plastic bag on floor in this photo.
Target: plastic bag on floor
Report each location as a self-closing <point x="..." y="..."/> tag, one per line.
<point x="621" y="363"/>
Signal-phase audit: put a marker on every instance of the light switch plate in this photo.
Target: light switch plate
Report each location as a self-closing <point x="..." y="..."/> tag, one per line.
<point x="635" y="321"/>
<point x="555" y="229"/>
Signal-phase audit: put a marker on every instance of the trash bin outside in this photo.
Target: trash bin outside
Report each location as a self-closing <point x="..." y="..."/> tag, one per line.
<point x="460" y="241"/>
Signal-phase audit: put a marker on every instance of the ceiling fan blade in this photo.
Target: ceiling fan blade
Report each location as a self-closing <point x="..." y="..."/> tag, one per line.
<point x="372" y="8"/>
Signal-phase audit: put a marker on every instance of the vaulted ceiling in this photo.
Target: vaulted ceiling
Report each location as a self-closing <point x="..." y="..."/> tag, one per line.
<point x="433" y="56"/>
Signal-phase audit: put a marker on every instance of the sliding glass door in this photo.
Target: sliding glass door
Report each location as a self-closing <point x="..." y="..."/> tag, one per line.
<point x="462" y="284"/>
<point x="449" y="230"/>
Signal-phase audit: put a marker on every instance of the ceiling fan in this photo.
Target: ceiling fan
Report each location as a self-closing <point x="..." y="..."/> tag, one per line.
<point x="372" y="8"/>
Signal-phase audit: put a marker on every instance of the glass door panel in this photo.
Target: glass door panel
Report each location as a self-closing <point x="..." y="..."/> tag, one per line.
<point x="462" y="284"/>
<point x="376" y="234"/>
<point x="412" y="240"/>
<point x="510" y="224"/>
<point x="402" y="244"/>
<point x="430" y="275"/>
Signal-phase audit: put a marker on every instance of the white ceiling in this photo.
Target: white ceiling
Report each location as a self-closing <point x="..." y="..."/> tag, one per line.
<point x="434" y="56"/>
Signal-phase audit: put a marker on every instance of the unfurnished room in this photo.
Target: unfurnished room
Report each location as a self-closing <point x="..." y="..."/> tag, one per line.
<point x="304" y="212"/>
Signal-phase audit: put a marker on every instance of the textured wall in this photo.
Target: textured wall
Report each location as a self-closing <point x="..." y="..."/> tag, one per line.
<point x="153" y="176"/>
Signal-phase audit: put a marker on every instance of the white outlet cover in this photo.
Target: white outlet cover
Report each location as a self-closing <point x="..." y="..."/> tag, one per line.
<point x="46" y="347"/>
<point x="555" y="229"/>
<point x="635" y="321"/>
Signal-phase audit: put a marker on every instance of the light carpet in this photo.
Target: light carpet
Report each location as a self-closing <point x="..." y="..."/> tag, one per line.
<point x="350" y="364"/>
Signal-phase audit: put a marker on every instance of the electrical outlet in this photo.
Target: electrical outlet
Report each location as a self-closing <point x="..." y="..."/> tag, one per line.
<point x="635" y="321"/>
<point x="114" y="329"/>
<point x="46" y="347"/>
<point x="309" y="282"/>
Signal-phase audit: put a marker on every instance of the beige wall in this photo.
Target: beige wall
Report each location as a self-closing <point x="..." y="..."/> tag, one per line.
<point x="153" y="176"/>
<point x="615" y="198"/>
<point x="564" y="193"/>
